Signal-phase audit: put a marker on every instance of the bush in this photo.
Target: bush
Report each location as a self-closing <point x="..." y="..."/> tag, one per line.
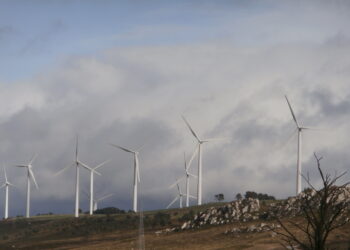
<point x="161" y="219"/>
<point x="109" y="210"/>
<point x="186" y="217"/>
<point x="259" y="196"/>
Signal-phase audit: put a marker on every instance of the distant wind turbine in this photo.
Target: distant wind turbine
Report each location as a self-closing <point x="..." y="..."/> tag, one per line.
<point x="178" y="197"/>
<point x="96" y="201"/>
<point x="136" y="172"/>
<point x="30" y="175"/>
<point x="187" y="178"/>
<point x="6" y="186"/>
<point x="76" y="163"/>
<point x="92" y="172"/>
<point x="199" y="150"/>
<point x="299" y="152"/>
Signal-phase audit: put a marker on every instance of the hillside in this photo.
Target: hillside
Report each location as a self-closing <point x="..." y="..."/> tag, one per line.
<point x="121" y="231"/>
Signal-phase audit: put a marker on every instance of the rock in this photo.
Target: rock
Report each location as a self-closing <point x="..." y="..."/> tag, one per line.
<point x="245" y="209"/>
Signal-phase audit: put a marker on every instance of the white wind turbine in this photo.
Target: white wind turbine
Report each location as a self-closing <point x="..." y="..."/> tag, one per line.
<point x="6" y="186"/>
<point x="187" y="177"/>
<point x="299" y="154"/>
<point x="179" y="196"/>
<point x="76" y="163"/>
<point x="136" y="172"/>
<point x="30" y="175"/>
<point x="92" y="172"/>
<point x="199" y="149"/>
<point x="96" y="201"/>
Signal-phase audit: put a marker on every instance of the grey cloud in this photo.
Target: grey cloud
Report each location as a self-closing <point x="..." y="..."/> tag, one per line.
<point x="108" y="99"/>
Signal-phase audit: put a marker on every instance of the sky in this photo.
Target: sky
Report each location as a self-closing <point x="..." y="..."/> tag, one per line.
<point x="124" y="72"/>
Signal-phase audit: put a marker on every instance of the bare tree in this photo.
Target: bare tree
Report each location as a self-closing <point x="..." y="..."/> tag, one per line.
<point x="323" y="210"/>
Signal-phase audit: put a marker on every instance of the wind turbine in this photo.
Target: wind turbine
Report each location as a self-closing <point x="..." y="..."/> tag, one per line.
<point x="6" y="186"/>
<point x="187" y="176"/>
<point x="96" y="201"/>
<point x="136" y="172"/>
<point x="100" y="199"/>
<point x="299" y="154"/>
<point x="199" y="149"/>
<point x="179" y="196"/>
<point x="30" y="175"/>
<point x="76" y="163"/>
<point x="92" y="172"/>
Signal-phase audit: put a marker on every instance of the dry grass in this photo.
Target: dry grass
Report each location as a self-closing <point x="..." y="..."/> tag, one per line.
<point x="45" y="232"/>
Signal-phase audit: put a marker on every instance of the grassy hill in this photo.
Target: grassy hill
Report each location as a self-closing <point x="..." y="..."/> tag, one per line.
<point x="121" y="231"/>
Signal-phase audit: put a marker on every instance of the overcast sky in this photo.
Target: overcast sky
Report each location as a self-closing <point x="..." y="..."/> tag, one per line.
<point x="124" y="72"/>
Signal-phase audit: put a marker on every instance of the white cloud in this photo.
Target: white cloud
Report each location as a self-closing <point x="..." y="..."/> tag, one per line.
<point x="135" y="95"/>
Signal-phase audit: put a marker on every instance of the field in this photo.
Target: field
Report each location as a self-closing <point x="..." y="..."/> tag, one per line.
<point x="122" y="232"/>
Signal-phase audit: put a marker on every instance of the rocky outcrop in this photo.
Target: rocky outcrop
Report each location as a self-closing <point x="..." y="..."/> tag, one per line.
<point x="240" y="210"/>
<point x="292" y="206"/>
<point x="249" y="210"/>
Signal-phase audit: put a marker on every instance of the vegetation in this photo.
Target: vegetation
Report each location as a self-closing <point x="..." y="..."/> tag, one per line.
<point x="121" y="231"/>
<point x="239" y="196"/>
<point x="219" y="197"/>
<point x="109" y="210"/>
<point x="323" y="211"/>
<point x="161" y="219"/>
<point x="259" y="196"/>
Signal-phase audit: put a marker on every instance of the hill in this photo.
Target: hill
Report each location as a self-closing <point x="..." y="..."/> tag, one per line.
<point x="162" y="230"/>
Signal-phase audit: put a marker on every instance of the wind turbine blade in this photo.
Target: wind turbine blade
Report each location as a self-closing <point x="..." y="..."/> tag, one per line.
<point x="85" y="166"/>
<point x="11" y="184"/>
<point x="86" y="193"/>
<point x="194" y="176"/>
<point x="76" y="148"/>
<point x="104" y="197"/>
<point x="33" y="159"/>
<point x="192" y="131"/>
<point x="215" y="139"/>
<point x="3" y="185"/>
<point x="192" y="157"/>
<point x="63" y="169"/>
<point x="139" y="149"/>
<point x="176" y="182"/>
<point x="137" y="167"/>
<point x="193" y="197"/>
<point x="124" y="149"/>
<point x="33" y="178"/>
<point x="291" y="110"/>
<point x="98" y="173"/>
<point x="5" y="174"/>
<point x="21" y="166"/>
<point x="100" y="165"/>
<point x="174" y="200"/>
<point x="138" y="174"/>
<point x="312" y="128"/>
<point x="178" y="188"/>
<point x="185" y="164"/>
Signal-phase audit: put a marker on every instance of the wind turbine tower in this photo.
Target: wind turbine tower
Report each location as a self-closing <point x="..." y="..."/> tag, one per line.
<point x="199" y="150"/>
<point x="178" y="197"/>
<point x="92" y="172"/>
<point x="300" y="129"/>
<point x="76" y="163"/>
<point x="6" y="186"/>
<point x="30" y="176"/>
<point x="136" y="172"/>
